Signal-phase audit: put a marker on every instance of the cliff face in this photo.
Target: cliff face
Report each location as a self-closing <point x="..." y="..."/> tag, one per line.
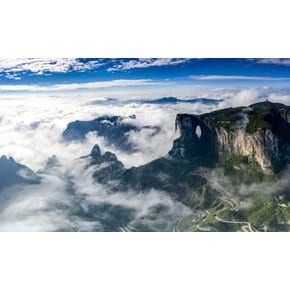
<point x="13" y="173"/>
<point x="197" y="142"/>
<point x="261" y="146"/>
<point x="260" y="132"/>
<point x="114" y="129"/>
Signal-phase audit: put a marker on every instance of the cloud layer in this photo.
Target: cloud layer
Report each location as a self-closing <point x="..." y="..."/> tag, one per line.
<point x="236" y="77"/>
<point x="277" y="61"/>
<point x="147" y="62"/>
<point x="12" y="68"/>
<point x="76" y="86"/>
<point x="68" y="198"/>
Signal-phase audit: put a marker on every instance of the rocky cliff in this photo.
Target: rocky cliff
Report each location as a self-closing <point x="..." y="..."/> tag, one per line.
<point x="115" y="130"/>
<point x="13" y="173"/>
<point x="260" y="133"/>
<point x="222" y="167"/>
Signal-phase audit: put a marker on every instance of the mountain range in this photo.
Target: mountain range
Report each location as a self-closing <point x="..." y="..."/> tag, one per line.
<point x="173" y="100"/>
<point x="13" y="173"/>
<point x="229" y="166"/>
<point x="221" y="162"/>
<point x="114" y="129"/>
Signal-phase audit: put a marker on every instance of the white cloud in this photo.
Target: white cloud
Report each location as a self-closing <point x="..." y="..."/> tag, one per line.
<point x="147" y="62"/>
<point x="77" y="86"/>
<point x="244" y="97"/>
<point x="53" y="206"/>
<point x="31" y="125"/>
<point x="236" y="77"/>
<point x="14" y="67"/>
<point x="280" y="98"/>
<point x="30" y="131"/>
<point x="278" y="61"/>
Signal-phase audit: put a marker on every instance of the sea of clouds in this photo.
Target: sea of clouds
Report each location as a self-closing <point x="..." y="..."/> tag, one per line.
<point x="68" y="199"/>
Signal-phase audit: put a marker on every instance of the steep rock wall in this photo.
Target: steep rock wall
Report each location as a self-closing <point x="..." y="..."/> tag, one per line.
<point x="206" y="138"/>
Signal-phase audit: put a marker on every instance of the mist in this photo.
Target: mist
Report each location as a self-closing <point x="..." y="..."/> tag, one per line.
<point x="67" y="197"/>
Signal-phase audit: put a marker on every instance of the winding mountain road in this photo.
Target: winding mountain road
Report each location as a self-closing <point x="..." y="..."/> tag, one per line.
<point x="247" y="224"/>
<point x="228" y="198"/>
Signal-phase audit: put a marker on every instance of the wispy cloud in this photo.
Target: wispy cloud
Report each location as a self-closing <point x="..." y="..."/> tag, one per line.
<point x="236" y="77"/>
<point x="278" y="61"/>
<point x="77" y="86"/>
<point x="146" y="62"/>
<point x="30" y="131"/>
<point x="12" y="68"/>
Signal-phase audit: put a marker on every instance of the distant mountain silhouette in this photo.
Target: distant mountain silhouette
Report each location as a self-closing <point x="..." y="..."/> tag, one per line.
<point x="12" y="173"/>
<point x="112" y="128"/>
<point x="173" y="100"/>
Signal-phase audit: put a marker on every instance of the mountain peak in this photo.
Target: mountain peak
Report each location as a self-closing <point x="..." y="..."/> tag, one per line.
<point x="96" y="152"/>
<point x="260" y="132"/>
<point x="12" y="173"/>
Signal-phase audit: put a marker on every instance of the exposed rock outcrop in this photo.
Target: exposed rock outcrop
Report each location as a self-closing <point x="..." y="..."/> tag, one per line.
<point x="108" y="167"/>
<point x="261" y="147"/>
<point x="114" y="129"/>
<point x="13" y="173"/>
<point x="260" y="132"/>
<point x="257" y="138"/>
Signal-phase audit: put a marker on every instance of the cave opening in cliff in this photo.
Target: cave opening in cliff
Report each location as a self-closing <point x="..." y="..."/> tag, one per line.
<point x="198" y="131"/>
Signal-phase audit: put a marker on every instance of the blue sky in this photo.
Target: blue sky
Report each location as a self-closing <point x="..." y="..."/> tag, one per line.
<point x="24" y="75"/>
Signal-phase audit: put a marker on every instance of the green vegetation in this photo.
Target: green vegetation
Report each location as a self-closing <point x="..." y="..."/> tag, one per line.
<point x="266" y="212"/>
<point x="224" y="118"/>
<point x="258" y="118"/>
<point x="203" y="198"/>
<point x="242" y="171"/>
<point x="256" y="123"/>
<point x="264" y="116"/>
<point x="261" y="116"/>
<point x="233" y="215"/>
<point x="211" y="220"/>
<point x="242" y="196"/>
<point x="228" y="161"/>
<point x="163" y="174"/>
